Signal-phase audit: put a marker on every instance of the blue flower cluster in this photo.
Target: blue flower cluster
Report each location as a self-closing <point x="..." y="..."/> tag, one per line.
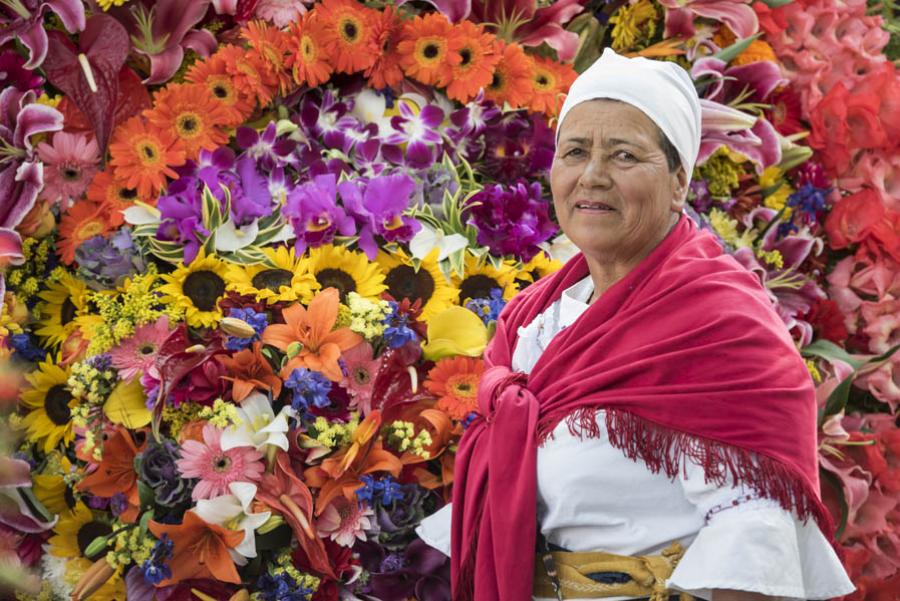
<point x="385" y="490"/>
<point x="310" y="388"/>
<point x="155" y="568"/>
<point x="809" y="201"/>
<point x="26" y="348"/>
<point x="398" y="333"/>
<point x="281" y="587"/>
<point x="256" y="320"/>
<point x="488" y="309"/>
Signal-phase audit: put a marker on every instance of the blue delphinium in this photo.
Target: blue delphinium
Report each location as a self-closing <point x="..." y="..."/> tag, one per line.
<point x="398" y="333"/>
<point x="155" y="568"/>
<point x="385" y="490"/>
<point x="26" y="348"/>
<point x="281" y="587"/>
<point x="488" y="309"/>
<point x="310" y="388"/>
<point x="256" y="320"/>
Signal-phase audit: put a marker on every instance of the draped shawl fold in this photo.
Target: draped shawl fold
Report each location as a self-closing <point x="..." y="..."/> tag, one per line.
<point x="690" y="361"/>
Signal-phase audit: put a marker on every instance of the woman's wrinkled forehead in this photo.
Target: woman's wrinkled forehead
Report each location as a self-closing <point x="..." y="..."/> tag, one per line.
<point x="608" y="116"/>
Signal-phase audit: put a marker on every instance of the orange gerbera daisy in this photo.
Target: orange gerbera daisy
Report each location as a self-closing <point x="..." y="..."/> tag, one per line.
<point x="549" y="82"/>
<point x="272" y="46"/>
<point x="190" y="113"/>
<point x="455" y="382"/>
<point x="143" y="156"/>
<point x="385" y="71"/>
<point x="512" y="78"/>
<point x="350" y="41"/>
<point x="84" y="220"/>
<point x="105" y="189"/>
<point x="480" y="54"/>
<point x="429" y="49"/>
<point x="249" y="73"/>
<point x="212" y="74"/>
<point x="309" y="56"/>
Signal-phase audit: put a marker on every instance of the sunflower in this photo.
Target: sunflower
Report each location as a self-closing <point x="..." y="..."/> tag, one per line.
<point x="142" y="156"/>
<point x="385" y="71"/>
<point x="212" y="73"/>
<point x="482" y="277"/>
<point x="64" y="299"/>
<point x="190" y="113"/>
<point x="51" y="488"/>
<point x="549" y="82"/>
<point x="197" y="288"/>
<point x="347" y="271"/>
<point x="480" y="54"/>
<point x="427" y="283"/>
<point x="289" y="279"/>
<point x="429" y="49"/>
<point x="272" y="46"/>
<point x="511" y="81"/>
<point x="83" y="221"/>
<point x="72" y="535"/>
<point x="49" y="403"/>
<point x="351" y="43"/>
<point x="539" y="266"/>
<point x="309" y="58"/>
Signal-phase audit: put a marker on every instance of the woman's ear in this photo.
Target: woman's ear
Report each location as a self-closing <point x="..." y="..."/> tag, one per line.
<point x="679" y="189"/>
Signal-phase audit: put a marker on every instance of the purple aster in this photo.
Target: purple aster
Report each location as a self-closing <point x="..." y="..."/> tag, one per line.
<point x="328" y="120"/>
<point x="314" y="214"/>
<point x="13" y="73"/>
<point x="511" y="220"/>
<point x="379" y="209"/>
<point x="267" y="148"/>
<point x="518" y="146"/>
<point x="419" y="132"/>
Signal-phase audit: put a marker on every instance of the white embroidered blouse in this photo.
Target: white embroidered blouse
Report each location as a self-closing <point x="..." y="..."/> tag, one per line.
<point x="593" y="498"/>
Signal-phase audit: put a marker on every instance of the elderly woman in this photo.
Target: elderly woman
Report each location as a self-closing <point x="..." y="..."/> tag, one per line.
<point x="647" y="426"/>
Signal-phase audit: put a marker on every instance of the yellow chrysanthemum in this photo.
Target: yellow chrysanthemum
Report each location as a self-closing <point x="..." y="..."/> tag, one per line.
<point x="196" y="289"/>
<point x="64" y="300"/>
<point x="539" y="266"/>
<point x="49" y="403"/>
<point x="633" y="25"/>
<point x="427" y="283"/>
<point x="482" y="277"/>
<point x="72" y="535"/>
<point x="347" y="271"/>
<point x="285" y="278"/>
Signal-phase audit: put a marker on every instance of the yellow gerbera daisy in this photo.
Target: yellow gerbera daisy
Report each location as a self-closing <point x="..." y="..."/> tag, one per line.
<point x="71" y="537"/>
<point x="64" y="300"/>
<point x="539" y="266"/>
<point x="347" y="271"/>
<point x="285" y="278"/>
<point x="427" y="283"/>
<point x="50" y="405"/>
<point x="482" y="277"/>
<point x="197" y="289"/>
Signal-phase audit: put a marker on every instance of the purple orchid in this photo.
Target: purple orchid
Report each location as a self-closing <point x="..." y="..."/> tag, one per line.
<point x="751" y="136"/>
<point x="472" y="119"/>
<point x="268" y="149"/>
<point x="378" y="209"/>
<point x="419" y="132"/>
<point x="513" y="220"/>
<point x="761" y="77"/>
<point x="163" y="29"/>
<point x="517" y="146"/>
<point x="315" y="215"/>
<point x="181" y="212"/>
<point x="23" y="20"/>
<point x="738" y="16"/>
<point x="21" y="174"/>
<point x="327" y="120"/>
<point x="250" y="198"/>
<point x="13" y="73"/>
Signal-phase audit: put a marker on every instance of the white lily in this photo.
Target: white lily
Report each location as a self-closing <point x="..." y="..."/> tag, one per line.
<point x="140" y="213"/>
<point x="230" y="238"/>
<point x="427" y="239"/>
<point x="233" y="512"/>
<point x="259" y="426"/>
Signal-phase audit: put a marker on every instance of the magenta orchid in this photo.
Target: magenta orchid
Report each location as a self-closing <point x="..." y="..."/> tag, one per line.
<point x="378" y="208"/>
<point x="314" y="214"/>
<point x="23" y="20"/>
<point x="419" y="131"/>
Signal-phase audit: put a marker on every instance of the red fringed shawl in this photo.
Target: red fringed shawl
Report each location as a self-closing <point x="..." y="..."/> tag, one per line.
<point x="690" y="361"/>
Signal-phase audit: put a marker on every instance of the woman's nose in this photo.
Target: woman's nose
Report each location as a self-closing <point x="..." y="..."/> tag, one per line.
<point x="596" y="173"/>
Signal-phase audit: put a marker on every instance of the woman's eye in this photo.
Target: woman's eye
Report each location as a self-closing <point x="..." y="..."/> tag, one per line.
<point x="624" y="155"/>
<point x="573" y="152"/>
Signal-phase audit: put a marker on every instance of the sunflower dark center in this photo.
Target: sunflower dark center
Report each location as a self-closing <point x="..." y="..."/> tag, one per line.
<point x="69" y="497"/>
<point x="67" y="311"/>
<point x="350" y="31"/>
<point x="204" y="288"/>
<point x="88" y="532"/>
<point x="56" y="405"/>
<point x="466" y="55"/>
<point x="127" y="193"/>
<point x="405" y="282"/>
<point x="337" y="278"/>
<point x="71" y="174"/>
<point x="431" y="51"/>
<point x="272" y="279"/>
<point x="477" y="286"/>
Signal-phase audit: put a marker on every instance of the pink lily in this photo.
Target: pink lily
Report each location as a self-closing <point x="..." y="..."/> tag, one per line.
<point x="761" y="77"/>
<point x="15" y="490"/>
<point x="24" y="20"/>
<point x="737" y="14"/>
<point x="520" y="20"/>
<point x="751" y="136"/>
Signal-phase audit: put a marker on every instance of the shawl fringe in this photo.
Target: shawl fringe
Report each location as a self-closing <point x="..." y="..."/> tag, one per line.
<point x="665" y="450"/>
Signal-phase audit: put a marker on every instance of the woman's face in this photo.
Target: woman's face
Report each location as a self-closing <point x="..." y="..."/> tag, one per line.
<point x="614" y="195"/>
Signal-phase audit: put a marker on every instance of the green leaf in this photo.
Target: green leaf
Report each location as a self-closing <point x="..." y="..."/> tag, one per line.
<point x="837" y="400"/>
<point x="146" y="494"/>
<point x="729" y="54"/>
<point x="830" y="351"/>
<point x="835" y="483"/>
<point x="776" y="3"/>
<point x="145" y="520"/>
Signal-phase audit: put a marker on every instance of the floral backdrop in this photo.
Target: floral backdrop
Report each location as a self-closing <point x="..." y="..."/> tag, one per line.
<point x="252" y="250"/>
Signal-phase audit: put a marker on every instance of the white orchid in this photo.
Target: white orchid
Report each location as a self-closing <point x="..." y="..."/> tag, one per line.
<point x="233" y="512"/>
<point x="427" y="239"/>
<point x="258" y="425"/>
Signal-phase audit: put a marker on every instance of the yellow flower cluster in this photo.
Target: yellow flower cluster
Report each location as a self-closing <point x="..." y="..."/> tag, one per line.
<point x="776" y="190"/>
<point x="365" y="317"/>
<point x="727" y="228"/>
<point x="722" y="173"/>
<point x="177" y="418"/>
<point x="772" y="257"/>
<point x="89" y="384"/>
<point x="129" y="546"/>
<point x="26" y="278"/>
<point x="107" y="4"/>
<point x="134" y="305"/>
<point x="402" y="436"/>
<point x="634" y="25"/>
<point x="814" y="371"/>
<point x="221" y="414"/>
<point x="333" y="435"/>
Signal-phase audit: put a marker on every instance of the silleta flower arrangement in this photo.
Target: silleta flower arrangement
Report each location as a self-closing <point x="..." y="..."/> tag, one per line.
<point x="252" y="251"/>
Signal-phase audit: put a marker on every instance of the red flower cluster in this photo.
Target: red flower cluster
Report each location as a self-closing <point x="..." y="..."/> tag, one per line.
<point x="863" y="219"/>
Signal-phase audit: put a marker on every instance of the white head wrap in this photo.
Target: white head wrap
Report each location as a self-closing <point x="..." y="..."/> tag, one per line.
<point x="662" y="90"/>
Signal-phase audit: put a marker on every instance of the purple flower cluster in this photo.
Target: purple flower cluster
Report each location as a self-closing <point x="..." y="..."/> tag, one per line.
<point x="511" y="220"/>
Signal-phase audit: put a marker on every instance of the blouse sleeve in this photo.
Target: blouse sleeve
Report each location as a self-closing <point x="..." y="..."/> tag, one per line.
<point x="435" y="529"/>
<point x="753" y="544"/>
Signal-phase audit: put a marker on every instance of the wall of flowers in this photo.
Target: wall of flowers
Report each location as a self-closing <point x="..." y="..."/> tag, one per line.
<point x="252" y="250"/>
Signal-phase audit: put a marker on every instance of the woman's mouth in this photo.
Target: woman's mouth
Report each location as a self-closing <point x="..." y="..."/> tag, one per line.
<point x="593" y="207"/>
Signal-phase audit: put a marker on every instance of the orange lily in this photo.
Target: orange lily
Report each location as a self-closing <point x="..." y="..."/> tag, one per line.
<point x="319" y="346"/>
<point x="201" y="549"/>
<point x="250" y="370"/>
<point x="116" y="474"/>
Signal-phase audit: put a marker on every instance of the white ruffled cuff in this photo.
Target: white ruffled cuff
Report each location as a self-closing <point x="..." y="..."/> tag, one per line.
<point x="435" y="529"/>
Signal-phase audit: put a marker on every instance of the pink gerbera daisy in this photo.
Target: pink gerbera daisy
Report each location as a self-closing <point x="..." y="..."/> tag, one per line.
<point x="137" y="354"/>
<point x="345" y="521"/>
<point x="361" y="369"/>
<point x="69" y="166"/>
<point x="217" y="468"/>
